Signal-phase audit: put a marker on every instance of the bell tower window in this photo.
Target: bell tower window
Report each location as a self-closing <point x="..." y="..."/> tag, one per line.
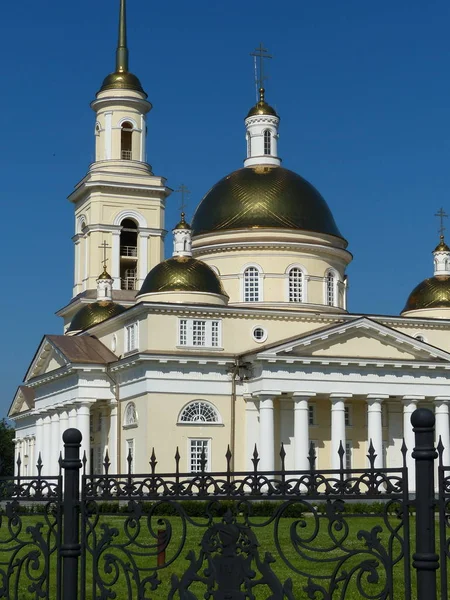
<point x="128" y="254"/>
<point x="267" y="142"/>
<point x="126" y="136"/>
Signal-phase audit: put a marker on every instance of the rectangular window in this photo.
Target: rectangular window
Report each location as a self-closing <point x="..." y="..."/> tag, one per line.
<point x="199" y="332"/>
<point x="131" y="337"/>
<point x="130" y="453"/>
<point x="348" y="416"/>
<point x="198" y="451"/>
<point x="348" y="458"/>
<point x="312" y="414"/>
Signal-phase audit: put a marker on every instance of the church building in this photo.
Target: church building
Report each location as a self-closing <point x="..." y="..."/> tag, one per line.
<point x="241" y="338"/>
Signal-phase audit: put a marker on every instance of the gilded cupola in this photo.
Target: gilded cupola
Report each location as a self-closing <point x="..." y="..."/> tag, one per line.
<point x="96" y="312"/>
<point x="431" y="298"/>
<point x="182" y="278"/>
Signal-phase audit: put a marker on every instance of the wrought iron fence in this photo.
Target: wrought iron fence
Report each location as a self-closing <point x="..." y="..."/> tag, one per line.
<point x="227" y="535"/>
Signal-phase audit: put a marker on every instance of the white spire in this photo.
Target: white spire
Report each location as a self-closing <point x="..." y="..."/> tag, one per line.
<point x="262" y="134"/>
<point x="442" y="258"/>
<point x="182" y="238"/>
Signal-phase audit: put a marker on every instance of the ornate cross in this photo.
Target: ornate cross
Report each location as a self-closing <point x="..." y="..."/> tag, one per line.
<point x="105" y="247"/>
<point x="184" y="191"/>
<point x="260" y="53"/>
<point x="441" y="214"/>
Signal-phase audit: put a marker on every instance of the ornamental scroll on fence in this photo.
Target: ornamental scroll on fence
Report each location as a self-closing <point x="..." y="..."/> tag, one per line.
<point x="225" y="535"/>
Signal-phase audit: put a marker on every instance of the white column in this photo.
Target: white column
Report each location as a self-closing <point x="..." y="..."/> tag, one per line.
<point x="142" y="257"/>
<point x="17" y="442"/>
<point x="108" y="135"/>
<point x="442" y="425"/>
<point x="38" y="441"/>
<point x="266" y="448"/>
<point x="46" y="445"/>
<point x="337" y="427"/>
<point x="409" y="406"/>
<point x="77" y="267"/>
<point x="31" y="460"/>
<point x="83" y="419"/>
<point x="375" y="427"/>
<point x="115" y="259"/>
<point x="301" y="431"/>
<point x="63" y="425"/>
<point x="112" y="437"/>
<point x="54" y="444"/>
<point x="73" y="419"/>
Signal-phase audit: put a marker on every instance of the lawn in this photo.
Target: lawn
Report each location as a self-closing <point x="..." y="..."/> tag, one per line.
<point x="276" y="556"/>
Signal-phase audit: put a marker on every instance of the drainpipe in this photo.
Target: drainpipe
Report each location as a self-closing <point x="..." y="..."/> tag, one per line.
<point x="237" y="371"/>
<point x="119" y="420"/>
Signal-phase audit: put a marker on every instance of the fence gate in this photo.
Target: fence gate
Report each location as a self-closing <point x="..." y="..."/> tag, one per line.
<point x="228" y="535"/>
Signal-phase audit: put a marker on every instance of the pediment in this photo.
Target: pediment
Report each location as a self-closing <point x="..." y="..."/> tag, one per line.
<point x="23" y="401"/>
<point x="47" y="359"/>
<point x="362" y="339"/>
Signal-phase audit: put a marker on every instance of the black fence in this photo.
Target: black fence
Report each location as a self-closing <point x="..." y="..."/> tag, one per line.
<point x="228" y="535"/>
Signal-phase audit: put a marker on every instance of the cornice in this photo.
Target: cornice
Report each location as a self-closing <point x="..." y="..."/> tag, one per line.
<point x="181" y="358"/>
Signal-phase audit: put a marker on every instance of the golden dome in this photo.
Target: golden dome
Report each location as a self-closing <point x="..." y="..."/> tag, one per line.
<point x="182" y="274"/>
<point x="182" y="224"/>
<point x="122" y="80"/>
<point x="431" y="293"/>
<point x="263" y="196"/>
<point x="105" y="274"/>
<point x="95" y="313"/>
<point x="261" y="107"/>
<point x="442" y="246"/>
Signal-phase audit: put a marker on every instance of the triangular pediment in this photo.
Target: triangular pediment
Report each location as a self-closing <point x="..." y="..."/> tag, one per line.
<point x="47" y="358"/>
<point x="361" y="339"/>
<point x="23" y="401"/>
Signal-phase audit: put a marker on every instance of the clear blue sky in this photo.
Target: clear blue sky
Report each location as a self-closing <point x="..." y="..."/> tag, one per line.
<point x="363" y="90"/>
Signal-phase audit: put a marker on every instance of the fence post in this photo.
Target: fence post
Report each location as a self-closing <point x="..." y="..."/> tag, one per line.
<point x="425" y="559"/>
<point x="70" y="548"/>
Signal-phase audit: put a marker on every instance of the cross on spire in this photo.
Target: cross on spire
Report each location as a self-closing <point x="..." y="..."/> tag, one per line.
<point x="184" y="191"/>
<point x="260" y="53"/>
<point x="441" y="214"/>
<point x="104" y="246"/>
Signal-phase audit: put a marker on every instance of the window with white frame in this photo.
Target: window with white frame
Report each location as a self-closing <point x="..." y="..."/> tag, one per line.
<point x="252" y="285"/>
<point x="330" y="283"/>
<point x="199" y="411"/>
<point x="348" y="458"/>
<point x="348" y="416"/>
<point x="131" y="337"/>
<point x="200" y="332"/>
<point x="267" y="142"/>
<point x="130" y="454"/>
<point x="199" y="455"/>
<point x="296" y="285"/>
<point x="130" y="417"/>
<point x="311" y="414"/>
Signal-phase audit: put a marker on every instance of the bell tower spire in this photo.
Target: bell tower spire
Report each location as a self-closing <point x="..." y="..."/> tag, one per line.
<point x="122" y="48"/>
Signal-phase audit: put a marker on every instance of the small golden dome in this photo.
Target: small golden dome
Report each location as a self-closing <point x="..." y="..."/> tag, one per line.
<point x="431" y="293"/>
<point x="263" y="196"/>
<point x="261" y="107"/>
<point x="122" y="80"/>
<point x="95" y="313"/>
<point x="182" y="224"/>
<point x="105" y="274"/>
<point x="182" y="274"/>
<point x="442" y="246"/>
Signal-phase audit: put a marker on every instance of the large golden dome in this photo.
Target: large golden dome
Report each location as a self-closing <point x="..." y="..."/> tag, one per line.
<point x="182" y="274"/>
<point x="95" y="313"/>
<point x="431" y="293"/>
<point x="263" y="196"/>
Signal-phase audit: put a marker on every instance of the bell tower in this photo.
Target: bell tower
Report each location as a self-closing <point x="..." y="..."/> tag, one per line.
<point x="120" y="201"/>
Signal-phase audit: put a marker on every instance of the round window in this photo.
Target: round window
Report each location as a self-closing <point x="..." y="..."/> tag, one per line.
<point x="259" y="334"/>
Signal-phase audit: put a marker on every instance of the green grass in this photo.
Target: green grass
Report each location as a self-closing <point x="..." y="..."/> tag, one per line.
<point x="133" y="546"/>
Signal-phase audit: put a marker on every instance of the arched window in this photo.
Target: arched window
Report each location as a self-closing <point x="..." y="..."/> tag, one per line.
<point x="126" y="141"/>
<point x="128" y="254"/>
<point x="330" y="284"/>
<point x="296" y="285"/>
<point x="267" y="142"/>
<point x="130" y="418"/>
<point x="252" y="292"/>
<point x="199" y="411"/>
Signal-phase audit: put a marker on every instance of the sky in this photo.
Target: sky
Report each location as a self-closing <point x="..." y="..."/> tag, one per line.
<point x="362" y="89"/>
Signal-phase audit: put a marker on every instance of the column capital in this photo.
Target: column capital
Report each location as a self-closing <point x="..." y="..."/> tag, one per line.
<point x="304" y="395"/>
<point x="266" y="395"/>
<point x="343" y="396"/>
<point x="412" y="398"/>
<point x="441" y="399"/>
<point x="379" y="397"/>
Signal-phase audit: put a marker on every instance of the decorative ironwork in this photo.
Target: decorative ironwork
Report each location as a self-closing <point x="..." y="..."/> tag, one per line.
<point x="444" y="518"/>
<point x="30" y="528"/>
